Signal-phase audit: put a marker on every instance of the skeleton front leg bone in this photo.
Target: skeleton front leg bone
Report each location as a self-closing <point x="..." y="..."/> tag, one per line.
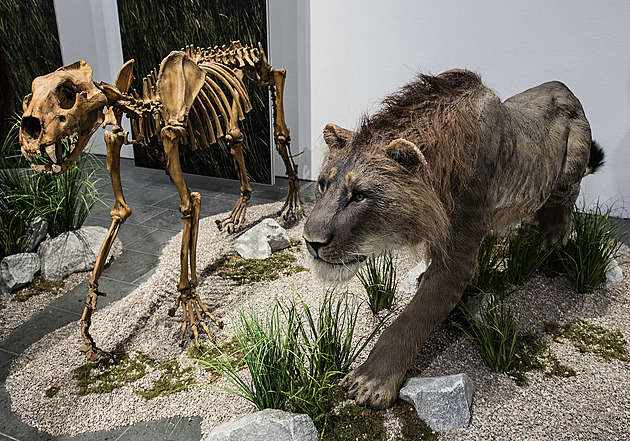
<point x="293" y="203"/>
<point x="191" y="304"/>
<point x="119" y="213"/>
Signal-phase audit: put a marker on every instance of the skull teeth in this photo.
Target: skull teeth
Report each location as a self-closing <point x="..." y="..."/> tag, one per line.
<point x="51" y="151"/>
<point x="70" y="141"/>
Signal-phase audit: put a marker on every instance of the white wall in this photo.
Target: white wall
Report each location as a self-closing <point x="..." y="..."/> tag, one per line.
<point x="363" y="49"/>
<point x="288" y="48"/>
<point x="343" y="57"/>
<point x="89" y="30"/>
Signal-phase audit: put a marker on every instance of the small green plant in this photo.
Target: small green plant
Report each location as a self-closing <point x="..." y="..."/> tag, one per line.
<point x="354" y="422"/>
<point x="524" y="255"/>
<point x="591" y="248"/>
<point x="591" y="338"/>
<point x="64" y="201"/>
<point x="494" y="331"/>
<point x="378" y="277"/>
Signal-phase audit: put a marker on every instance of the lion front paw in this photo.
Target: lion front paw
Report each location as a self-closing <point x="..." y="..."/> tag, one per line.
<point x="371" y="385"/>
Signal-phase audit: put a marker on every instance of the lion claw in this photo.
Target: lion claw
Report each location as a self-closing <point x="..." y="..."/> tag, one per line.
<point x="368" y="388"/>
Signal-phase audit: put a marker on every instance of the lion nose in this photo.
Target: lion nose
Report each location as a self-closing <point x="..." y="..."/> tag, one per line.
<point x="31" y="127"/>
<point x="314" y="247"/>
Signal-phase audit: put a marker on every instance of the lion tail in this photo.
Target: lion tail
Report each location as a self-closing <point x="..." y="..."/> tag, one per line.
<point x="595" y="159"/>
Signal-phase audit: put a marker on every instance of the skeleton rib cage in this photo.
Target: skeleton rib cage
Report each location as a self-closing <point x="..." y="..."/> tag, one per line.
<point x="222" y="99"/>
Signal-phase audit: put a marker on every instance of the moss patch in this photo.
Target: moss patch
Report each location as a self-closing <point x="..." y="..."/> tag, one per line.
<point x="532" y="355"/>
<point x="354" y="423"/>
<point x="412" y="427"/>
<point x="208" y="357"/>
<point x="173" y="378"/>
<point x="280" y="264"/>
<point x="591" y="338"/>
<point x="52" y="391"/>
<point x="36" y="287"/>
<point x="98" y="378"/>
<point x="127" y="367"/>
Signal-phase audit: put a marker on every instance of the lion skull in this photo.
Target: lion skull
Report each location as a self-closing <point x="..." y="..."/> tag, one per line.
<point x="60" y="115"/>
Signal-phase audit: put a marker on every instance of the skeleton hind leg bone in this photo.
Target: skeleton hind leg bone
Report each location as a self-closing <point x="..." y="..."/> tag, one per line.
<point x="234" y="139"/>
<point x="190" y="203"/>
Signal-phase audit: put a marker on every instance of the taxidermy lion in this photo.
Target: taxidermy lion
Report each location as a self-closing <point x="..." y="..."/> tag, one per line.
<point x="442" y="163"/>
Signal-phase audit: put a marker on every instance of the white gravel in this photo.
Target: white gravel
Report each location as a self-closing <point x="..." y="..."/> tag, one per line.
<point x="14" y="313"/>
<point x="593" y="405"/>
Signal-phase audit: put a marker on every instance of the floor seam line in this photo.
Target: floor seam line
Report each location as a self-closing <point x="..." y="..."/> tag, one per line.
<point x="121" y="435"/>
<point x="10" y="352"/>
<point x="8" y="436"/>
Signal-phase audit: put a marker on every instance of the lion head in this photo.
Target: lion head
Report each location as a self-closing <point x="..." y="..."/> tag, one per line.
<point x="60" y="115"/>
<point x="370" y="196"/>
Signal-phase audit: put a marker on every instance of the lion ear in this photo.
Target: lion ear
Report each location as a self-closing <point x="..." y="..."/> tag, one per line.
<point x="337" y="137"/>
<point x="406" y="154"/>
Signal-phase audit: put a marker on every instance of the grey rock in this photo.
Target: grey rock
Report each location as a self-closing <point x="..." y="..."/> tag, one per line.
<point x="17" y="270"/>
<point x="481" y="304"/>
<point x="262" y="240"/>
<point x="410" y="282"/>
<point x="266" y="425"/>
<point x="614" y="274"/>
<point x="35" y="234"/>
<point x="443" y="402"/>
<point x="71" y="252"/>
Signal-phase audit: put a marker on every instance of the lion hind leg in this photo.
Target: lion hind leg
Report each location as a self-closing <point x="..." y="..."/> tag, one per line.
<point x="553" y="220"/>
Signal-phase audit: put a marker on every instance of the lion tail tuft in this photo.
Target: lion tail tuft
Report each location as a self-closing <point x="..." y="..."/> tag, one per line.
<point x="595" y="159"/>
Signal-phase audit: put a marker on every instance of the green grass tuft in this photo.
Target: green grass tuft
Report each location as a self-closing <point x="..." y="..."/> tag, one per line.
<point x="378" y="277"/>
<point x="64" y="201"/>
<point x="524" y="255"/>
<point x="591" y="249"/>
<point x="295" y="356"/>
<point x="12" y="232"/>
<point x="494" y="332"/>
<point x="489" y="277"/>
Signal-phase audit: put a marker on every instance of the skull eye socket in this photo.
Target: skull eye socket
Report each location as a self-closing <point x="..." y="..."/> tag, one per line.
<point x="66" y="96"/>
<point x="26" y="101"/>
